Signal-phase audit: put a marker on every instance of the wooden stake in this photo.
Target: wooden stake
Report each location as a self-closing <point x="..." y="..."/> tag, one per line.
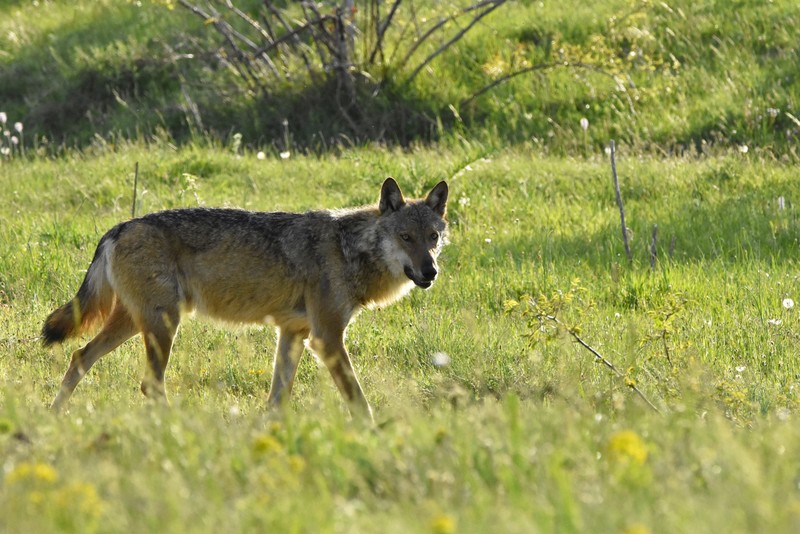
<point x="619" y="203"/>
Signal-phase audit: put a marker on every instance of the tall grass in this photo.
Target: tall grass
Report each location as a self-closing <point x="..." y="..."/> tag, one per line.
<point x="521" y="431"/>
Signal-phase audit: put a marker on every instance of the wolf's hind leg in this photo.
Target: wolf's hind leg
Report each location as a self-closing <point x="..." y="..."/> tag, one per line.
<point x="287" y="357"/>
<point x="117" y="329"/>
<point x="158" y="332"/>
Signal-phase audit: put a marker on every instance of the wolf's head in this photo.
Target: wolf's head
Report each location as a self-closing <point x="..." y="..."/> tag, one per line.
<point x="414" y="231"/>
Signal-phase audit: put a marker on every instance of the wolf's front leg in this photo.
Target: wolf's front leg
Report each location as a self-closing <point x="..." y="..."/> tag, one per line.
<point x="334" y="355"/>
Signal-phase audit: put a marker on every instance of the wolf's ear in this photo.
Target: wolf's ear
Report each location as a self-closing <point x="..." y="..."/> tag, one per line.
<point x="391" y="196"/>
<point x="437" y="198"/>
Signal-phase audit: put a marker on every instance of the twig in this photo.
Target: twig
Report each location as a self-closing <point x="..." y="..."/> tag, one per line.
<point x="229" y="34"/>
<point x="542" y="66"/>
<point x="438" y="25"/>
<point x="382" y="32"/>
<point x="492" y="6"/>
<point x="619" y="203"/>
<point x="599" y="357"/>
<point x="254" y="23"/>
<point x="293" y="33"/>
<point x="286" y="26"/>
<point x="666" y="346"/>
<point x="653" y="250"/>
<point x="320" y="37"/>
<point x="135" y="185"/>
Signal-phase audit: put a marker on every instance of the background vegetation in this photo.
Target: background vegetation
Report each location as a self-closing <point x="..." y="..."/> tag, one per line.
<point x="521" y="430"/>
<point x="664" y="76"/>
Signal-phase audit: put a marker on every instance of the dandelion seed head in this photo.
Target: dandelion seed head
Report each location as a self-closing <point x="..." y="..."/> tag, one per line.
<point x="440" y="359"/>
<point x="14" y="140"/>
<point x="743" y="149"/>
<point x="3" y="117"/>
<point x="788" y="304"/>
<point x="18" y="126"/>
<point x="285" y="154"/>
<point x="261" y="155"/>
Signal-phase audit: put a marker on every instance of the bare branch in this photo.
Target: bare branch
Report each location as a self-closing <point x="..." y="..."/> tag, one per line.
<point x="544" y="66"/>
<point x="229" y="34"/>
<point x="438" y="25"/>
<point x="324" y="37"/>
<point x="599" y="357"/>
<point x="493" y="5"/>
<point x="382" y="32"/>
<point x="293" y="35"/>
<point x="264" y="34"/>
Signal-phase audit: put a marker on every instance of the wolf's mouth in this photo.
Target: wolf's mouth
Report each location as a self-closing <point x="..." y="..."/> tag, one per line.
<point x="419" y="282"/>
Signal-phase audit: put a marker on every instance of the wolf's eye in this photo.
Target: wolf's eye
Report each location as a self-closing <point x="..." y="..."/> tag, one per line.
<point x="405" y="237"/>
<point x="434" y="236"/>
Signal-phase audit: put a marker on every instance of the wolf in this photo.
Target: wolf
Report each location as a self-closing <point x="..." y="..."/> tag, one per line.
<point x="307" y="273"/>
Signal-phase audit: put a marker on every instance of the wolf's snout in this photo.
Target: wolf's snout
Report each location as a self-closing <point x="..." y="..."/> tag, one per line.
<point x="425" y="278"/>
<point x="429" y="272"/>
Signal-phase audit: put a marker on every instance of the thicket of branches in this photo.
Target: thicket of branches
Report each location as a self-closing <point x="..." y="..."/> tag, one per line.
<point x="356" y="55"/>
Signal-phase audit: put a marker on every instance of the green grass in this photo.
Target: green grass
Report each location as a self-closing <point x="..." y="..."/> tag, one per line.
<point x="520" y="432"/>
<point x="675" y="77"/>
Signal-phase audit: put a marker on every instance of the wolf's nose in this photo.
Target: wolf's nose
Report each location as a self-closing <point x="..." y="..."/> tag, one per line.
<point x="429" y="272"/>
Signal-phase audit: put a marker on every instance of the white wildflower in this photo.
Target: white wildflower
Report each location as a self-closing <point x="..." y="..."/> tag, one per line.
<point x="3" y="117"/>
<point x="285" y="154"/>
<point x="440" y="359"/>
<point x="261" y="155"/>
<point x="18" y="126"/>
<point x="585" y="123"/>
<point x="788" y="304"/>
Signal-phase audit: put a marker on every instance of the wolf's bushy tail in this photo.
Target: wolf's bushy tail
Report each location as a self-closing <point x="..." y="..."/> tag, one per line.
<point x="91" y="305"/>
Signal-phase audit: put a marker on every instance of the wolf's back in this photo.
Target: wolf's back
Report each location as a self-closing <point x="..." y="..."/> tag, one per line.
<point x="91" y="305"/>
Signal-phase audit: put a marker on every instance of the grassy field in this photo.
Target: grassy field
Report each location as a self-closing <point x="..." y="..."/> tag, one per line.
<point x="522" y="430"/>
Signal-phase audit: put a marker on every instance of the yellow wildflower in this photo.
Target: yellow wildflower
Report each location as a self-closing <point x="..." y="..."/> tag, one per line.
<point x="443" y="524"/>
<point x="35" y="472"/>
<point x="266" y="444"/>
<point x="626" y="446"/>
